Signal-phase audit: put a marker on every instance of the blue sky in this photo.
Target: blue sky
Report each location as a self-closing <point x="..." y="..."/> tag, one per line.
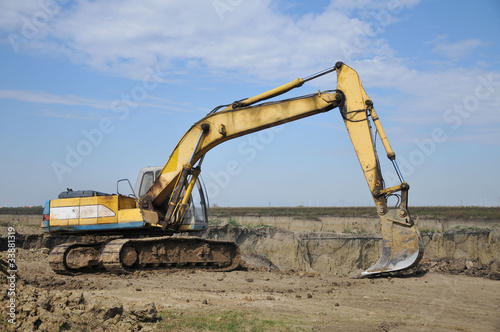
<point x="91" y="91"/>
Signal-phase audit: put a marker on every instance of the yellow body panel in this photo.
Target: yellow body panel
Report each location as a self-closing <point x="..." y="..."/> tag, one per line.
<point x="95" y="210"/>
<point x="126" y="203"/>
<point x="133" y="215"/>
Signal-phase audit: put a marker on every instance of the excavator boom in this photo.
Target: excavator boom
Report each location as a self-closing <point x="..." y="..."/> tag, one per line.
<point x="227" y="124"/>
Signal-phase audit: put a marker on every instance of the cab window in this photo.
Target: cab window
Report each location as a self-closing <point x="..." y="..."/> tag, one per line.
<point x="146" y="183"/>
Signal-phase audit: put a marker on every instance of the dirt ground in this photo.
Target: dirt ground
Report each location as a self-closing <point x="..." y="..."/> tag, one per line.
<point x="248" y="299"/>
<point x="448" y="294"/>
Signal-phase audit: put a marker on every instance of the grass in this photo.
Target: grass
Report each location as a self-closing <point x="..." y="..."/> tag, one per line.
<point x="254" y="226"/>
<point x="429" y="230"/>
<point x="457" y="212"/>
<point x="348" y="230"/>
<point x="22" y="210"/>
<point x="467" y="228"/>
<point x="233" y="222"/>
<point x="298" y="212"/>
<point x="311" y="213"/>
<point x="221" y="321"/>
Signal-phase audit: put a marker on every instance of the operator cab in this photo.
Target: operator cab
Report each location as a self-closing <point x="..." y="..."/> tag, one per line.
<point x="196" y="216"/>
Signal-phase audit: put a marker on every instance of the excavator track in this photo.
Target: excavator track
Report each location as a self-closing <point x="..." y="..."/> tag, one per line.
<point x="123" y="255"/>
<point x="56" y="258"/>
<point x="69" y="258"/>
<point x="166" y="252"/>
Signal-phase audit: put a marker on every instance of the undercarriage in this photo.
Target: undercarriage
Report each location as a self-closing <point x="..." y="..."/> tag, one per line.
<point x="124" y="255"/>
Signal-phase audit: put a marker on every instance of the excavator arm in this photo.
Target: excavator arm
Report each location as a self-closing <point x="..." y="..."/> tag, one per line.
<point x="169" y="195"/>
<point x="401" y="243"/>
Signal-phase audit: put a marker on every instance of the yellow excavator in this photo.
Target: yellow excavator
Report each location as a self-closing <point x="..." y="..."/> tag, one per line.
<point x="171" y="199"/>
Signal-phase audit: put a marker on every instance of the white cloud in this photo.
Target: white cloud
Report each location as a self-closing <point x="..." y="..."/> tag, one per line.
<point x="13" y="14"/>
<point x="487" y="135"/>
<point x="41" y="97"/>
<point x="442" y="98"/>
<point x="457" y="50"/>
<point x="47" y="98"/>
<point x="71" y="114"/>
<point x="249" y="37"/>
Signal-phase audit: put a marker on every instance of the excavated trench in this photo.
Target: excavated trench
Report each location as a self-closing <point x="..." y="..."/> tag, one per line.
<point x="475" y="253"/>
<point x="472" y="249"/>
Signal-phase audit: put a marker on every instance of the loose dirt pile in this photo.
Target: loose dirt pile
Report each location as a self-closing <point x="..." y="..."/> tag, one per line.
<point x="47" y="302"/>
<point x="462" y="266"/>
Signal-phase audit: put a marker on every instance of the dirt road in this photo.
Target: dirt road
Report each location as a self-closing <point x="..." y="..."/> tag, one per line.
<point x="251" y="299"/>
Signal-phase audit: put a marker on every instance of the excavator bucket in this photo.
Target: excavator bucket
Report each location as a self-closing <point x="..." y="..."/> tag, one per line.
<point x="401" y="246"/>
